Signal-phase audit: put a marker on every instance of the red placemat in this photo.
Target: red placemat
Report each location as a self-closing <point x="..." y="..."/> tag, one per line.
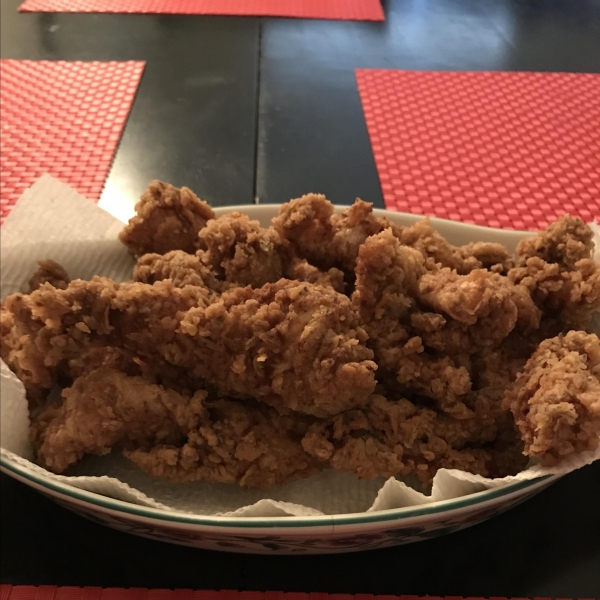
<point x="511" y="150"/>
<point x="52" y="592"/>
<point x="355" y="10"/>
<point x="61" y="118"/>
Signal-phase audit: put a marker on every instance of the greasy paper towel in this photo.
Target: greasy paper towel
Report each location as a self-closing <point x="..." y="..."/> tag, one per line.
<point x="53" y="221"/>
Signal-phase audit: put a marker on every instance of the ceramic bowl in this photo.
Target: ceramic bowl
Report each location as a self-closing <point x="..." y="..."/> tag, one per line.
<point x="301" y="535"/>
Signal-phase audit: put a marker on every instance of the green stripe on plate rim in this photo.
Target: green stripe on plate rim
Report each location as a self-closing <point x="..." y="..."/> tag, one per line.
<point x="397" y="514"/>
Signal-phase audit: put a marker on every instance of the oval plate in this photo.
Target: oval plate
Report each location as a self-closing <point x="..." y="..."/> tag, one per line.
<point x="301" y="535"/>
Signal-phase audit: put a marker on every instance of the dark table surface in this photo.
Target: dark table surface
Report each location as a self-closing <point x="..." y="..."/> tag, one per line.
<point x="193" y="121"/>
<point x="243" y="109"/>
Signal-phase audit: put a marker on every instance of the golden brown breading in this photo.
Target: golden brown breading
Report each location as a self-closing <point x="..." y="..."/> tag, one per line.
<point x="437" y="376"/>
<point x="49" y="272"/>
<point x="398" y="297"/>
<point x="351" y="228"/>
<point x="130" y="363"/>
<point x="438" y="252"/>
<point x="387" y="280"/>
<point x="390" y="438"/>
<point x="491" y="305"/>
<point x="182" y="437"/>
<point x="301" y="270"/>
<point x="329" y="240"/>
<point x="178" y="266"/>
<point x="10" y="344"/>
<point x="106" y="408"/>
<point x="387" y="276"/>
<point x="51" y="327"/>
<point x="306" y="223"/>
<point x="249" y="445"/>
<point x="290" y="344"/>
<point x="196" y="269"/>
<point x="40" y="341"/>
<point x="424" y="321"/>
<point x="109" y="357"/>
<point x="323" y="238"/>
<point x="293" y="345"/>
<point x="564" y="242"/>
<point x="8" y="333"/>
<point x="485" y="255"/>
<point x="568" y="299"/>
<point x="167" y="219"/>
<point x="242" y="252"/>
<point x="558" y="269"/>
<point x="556" y="399"/>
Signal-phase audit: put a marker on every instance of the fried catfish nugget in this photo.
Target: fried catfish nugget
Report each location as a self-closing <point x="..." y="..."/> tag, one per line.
<point x="438" y="252"/>
<point x="243" y="252"/>
<point x="294" y="345"/>
<point x="168" y="218"/>
<point x="50" y="327"/>
<point x="320" y="236"/>
<point x="387" y="280"/>
<point x="290" y="344"/>
<point x="556" y="399"/>
<point x="237" y="442"/>
<point x="236" y="251"/>
<point x="182" y="437"/>
<point x="564" y="242"/>
<point x="198" y="270"/>
<point x="558" y="269"/>
<point x="180" y="267"/>
<point x="107" y="408"/>
<point x="425" y="323"/>
<point x="488" y="303"/>
<point x="389" y="438"/>
<point x="328" y="240"/>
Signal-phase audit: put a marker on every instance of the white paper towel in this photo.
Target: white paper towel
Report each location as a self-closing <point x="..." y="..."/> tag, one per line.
<point x="53" y="221"/>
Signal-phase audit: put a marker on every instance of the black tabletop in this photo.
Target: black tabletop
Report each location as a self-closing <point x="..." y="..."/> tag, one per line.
<point x="267" y="109"/>
<point x="312" y="132"/>
<point x="193" y="121"/>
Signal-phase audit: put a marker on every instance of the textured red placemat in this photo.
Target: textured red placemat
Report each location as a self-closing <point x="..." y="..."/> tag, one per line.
<point x="512" y="150"/>
<point x="52" y="592"/>
<point x="356" y="10"/>
<point x="61" y="118"/>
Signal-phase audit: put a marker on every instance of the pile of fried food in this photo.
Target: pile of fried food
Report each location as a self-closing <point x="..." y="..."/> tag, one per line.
<point x="257" y="356"/>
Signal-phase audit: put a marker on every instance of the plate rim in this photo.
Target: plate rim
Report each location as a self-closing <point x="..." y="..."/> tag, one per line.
<point x="364" y="518"/>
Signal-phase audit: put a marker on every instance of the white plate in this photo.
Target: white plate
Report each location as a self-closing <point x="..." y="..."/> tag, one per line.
<point x="301" y="535"/>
